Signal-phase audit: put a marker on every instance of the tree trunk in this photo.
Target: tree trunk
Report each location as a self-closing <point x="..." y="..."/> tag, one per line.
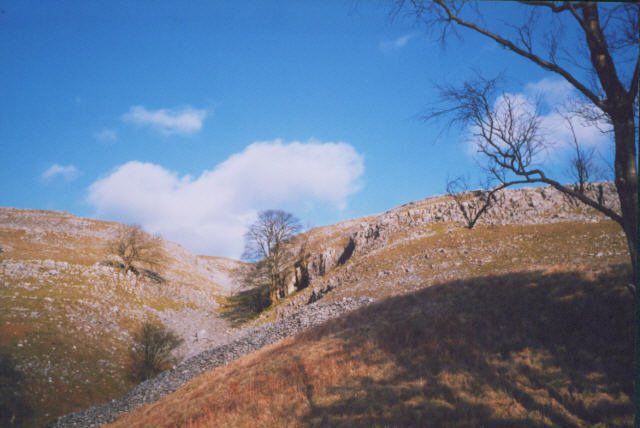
<point x="273" y="296"/>
<point x="273" y="290"/>
<point x="619" y="106"/>
<point x="627" y="178"/>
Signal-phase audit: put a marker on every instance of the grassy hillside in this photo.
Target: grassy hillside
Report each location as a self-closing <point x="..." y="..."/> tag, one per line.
<point x="518" y="322"/>
<point x="67" y="318"/>
<point x="425" y="241"/>
<point x="447" y="252"/>
<point x="549" y="347"/>
<point x="412" y="258"/>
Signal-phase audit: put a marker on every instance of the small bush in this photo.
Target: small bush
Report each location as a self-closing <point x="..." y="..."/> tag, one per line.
<point x="151" y="350"/>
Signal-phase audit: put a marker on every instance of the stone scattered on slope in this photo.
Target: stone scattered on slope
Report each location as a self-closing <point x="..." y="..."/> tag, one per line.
<point x="168" y="381"/>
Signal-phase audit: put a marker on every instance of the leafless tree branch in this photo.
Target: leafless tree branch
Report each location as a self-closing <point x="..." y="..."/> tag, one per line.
<point x="267" y="244"/>
<point x="452" y="17"/>
<point x="136" y="249"/>
<point x="607" y="30"/>
<point x="508" y="135"/>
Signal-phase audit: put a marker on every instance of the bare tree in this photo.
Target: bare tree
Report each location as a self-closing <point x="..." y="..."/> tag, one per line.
<point x="606" y="77"/>
<point x="508" y="136"/>
<point x="473" y="204"/>
<point x="268" y="243"/>
<point x="136" y="249"/>
<point x="582" y="165"/>
<point x="151" y="347"/>
<point x="583" y="169"/>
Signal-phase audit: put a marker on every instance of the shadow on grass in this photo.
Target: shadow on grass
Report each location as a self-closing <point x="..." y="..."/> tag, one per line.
<point x="15" y="408"/>
<point x="151" y="275"/>
<point x="525" y="349"/>
<point x="245" y="305"/>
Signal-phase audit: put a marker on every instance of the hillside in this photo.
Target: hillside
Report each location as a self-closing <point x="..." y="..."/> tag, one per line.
<point x="524" y="320"/>
<point x="67" y="316"/>
<point x="55" y="283"/>
<point x="532" y="349"/>
<point x="425" y="242"/>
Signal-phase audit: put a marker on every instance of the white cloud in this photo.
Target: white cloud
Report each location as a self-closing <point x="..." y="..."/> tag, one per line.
<point x="106" y="135"/>
<point x="396" y="44"/>
<point x="68" y="172"/>
<point x="183" y="121"/>
<point x="552" y="96"/>
<point x="551" y="90"/>
<point x="558" y="132"/>
<point x="209" y="214"/>
<point x="555" y="94"/>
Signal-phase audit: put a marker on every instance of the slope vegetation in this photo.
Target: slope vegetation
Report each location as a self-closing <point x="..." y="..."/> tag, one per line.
<point x="425" y="242"/>
<point x="529" y="349"/>
<point x="67" y="317"/>
<point x="524" y="320"/>
<point x="70" y="315"/>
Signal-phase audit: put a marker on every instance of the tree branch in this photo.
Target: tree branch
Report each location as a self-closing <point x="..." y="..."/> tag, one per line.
<point x="577" y="17"/>
<point x="585" y="199"/>
<point x="601" y="58"/>
<point x="535" y="58"/>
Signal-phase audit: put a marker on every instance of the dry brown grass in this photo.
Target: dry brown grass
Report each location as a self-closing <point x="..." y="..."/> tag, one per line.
<point x="89" y="373"/>
<point x="532" y="349"/>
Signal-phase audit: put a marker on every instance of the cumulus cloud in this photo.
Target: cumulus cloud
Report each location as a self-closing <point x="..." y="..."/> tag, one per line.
<point x="396" y="44"/>
<point x="550" y="99"/>
<point x="209" y="214"/>
<point x="68" y="173"/>
<point x="555" y="96"/>
<point x="183" y="121"/>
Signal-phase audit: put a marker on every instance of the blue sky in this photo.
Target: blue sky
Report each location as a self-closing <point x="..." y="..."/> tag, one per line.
<point x="189" y="117"/>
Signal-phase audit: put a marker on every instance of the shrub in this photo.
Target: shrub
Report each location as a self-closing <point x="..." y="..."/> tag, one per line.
<point x="151" y="350"/>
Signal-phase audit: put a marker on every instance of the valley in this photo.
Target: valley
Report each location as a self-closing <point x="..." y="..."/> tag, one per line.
<point x="69" y="317"/>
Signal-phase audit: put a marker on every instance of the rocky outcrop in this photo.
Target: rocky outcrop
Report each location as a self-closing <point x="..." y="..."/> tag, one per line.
<point x="514" y="206"/>
<point x="521" y="206"/>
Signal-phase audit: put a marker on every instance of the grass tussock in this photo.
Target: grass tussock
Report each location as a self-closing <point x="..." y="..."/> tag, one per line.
<point x="528" y="349"/>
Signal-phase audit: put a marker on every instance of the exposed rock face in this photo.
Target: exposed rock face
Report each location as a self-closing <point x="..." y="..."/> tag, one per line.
<point x="514" y="206"/>
<point x="525" y="206"/>
<point x="322" y="263"/>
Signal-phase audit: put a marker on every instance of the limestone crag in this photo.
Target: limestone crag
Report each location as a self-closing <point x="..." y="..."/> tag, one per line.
<point x="521" y="206"/>
<point x="412" y="220"/>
